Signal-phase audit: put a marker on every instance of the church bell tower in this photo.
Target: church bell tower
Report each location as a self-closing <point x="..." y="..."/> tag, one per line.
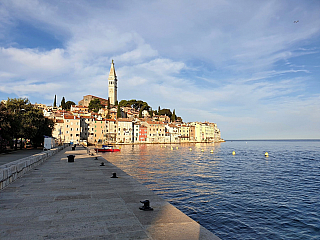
<point x="112" y="85"/>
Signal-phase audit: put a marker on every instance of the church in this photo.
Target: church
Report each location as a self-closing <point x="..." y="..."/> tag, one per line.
<point x="112" y="90"/>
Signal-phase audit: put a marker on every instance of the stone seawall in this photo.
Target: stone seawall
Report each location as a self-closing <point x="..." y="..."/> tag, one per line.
<point x="11" y="171"/>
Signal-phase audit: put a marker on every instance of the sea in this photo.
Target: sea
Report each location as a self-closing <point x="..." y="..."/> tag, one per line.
<point x="242" y="196"/>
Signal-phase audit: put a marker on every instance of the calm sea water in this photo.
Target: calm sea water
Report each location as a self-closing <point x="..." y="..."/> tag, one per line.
<point x="242" y="196"/>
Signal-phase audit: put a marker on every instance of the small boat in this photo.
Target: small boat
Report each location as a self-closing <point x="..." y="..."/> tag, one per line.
<point x="105" y="148"/>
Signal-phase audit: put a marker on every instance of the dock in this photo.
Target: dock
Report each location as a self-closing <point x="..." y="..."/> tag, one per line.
<point x="59" y="199"/>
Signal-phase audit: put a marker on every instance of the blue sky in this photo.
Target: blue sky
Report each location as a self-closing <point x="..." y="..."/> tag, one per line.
<point x="244" y="65"/>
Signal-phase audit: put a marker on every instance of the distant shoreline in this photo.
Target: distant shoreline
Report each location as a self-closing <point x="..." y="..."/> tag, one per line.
<point x="274" y="140"/>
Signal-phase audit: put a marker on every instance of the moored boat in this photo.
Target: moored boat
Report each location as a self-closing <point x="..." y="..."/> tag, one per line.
<point x="105" y="148"/>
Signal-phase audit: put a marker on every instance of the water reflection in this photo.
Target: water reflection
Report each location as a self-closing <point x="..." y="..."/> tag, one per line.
<point x="242" y="196"/>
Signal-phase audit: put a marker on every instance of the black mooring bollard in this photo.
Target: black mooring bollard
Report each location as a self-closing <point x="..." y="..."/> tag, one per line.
<point x="102" y="164"/>
<point x="70" y="158"/>
<point x="114" y="175"/>
<point x="146" y="206"/>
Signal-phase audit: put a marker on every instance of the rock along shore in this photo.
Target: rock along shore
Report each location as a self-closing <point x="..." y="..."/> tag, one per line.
<point x="79" y="200"/>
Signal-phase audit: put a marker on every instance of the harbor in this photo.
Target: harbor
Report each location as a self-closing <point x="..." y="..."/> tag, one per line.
<point x="61" y="199"/>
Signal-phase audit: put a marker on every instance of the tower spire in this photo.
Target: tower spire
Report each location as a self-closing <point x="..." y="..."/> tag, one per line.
<point x="112" y="84"/>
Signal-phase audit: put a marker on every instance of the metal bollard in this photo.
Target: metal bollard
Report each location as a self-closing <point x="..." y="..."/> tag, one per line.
<point x="146" y="206"/>
<point x="70" y="158"/>
<point x="114" y="175"/>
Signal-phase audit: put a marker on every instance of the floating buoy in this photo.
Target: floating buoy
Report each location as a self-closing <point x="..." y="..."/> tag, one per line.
<point x="233" y="153"/>
<point x="190" y="149"/>
<point x="211" y="151"/>
<point x="266" y="154"/>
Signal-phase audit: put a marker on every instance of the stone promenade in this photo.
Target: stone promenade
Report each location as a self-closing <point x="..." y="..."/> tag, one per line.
<point x="80" y="200"/>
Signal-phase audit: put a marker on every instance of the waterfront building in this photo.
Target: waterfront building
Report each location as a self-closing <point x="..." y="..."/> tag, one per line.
<point x="208" y="129"/>
<point x="184" y="131"/>
<point x="172" y="131"/>
<point x="199" y="134"/>
<point x="111" y="130"/>
<point x="84" y="125"/>
<point x="112" y="85"/>
<point x="136" y="131"/>
<point x="143" y="133"/>
<point x="217" y="133"/>
<point x="192" y="134"/>
<point x="125" y="130"/>
<point x="155" y="132"/>
<point x="71" y="129"/>
<point x="58" y="131"/>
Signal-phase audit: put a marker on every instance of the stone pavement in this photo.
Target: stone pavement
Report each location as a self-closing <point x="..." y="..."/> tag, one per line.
<point x="80" y="200"/>
<point x="16" y="155"/>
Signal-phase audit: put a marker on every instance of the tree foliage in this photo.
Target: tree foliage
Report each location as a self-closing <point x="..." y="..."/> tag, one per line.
<point x="19" y="119"/>
<point x="141" y="105"/>
<point x="173" y="117"/>
<point x="136" y="104"/>
<point x="95" y="105"/>
<point x="119" y="112"/>
<point x="6" y="131"/>
<point x="63" y="103"/>
<point x="68" y="105"/>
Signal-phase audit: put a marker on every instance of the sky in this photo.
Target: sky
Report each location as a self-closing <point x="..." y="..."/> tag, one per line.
<point x="252" y="67"/>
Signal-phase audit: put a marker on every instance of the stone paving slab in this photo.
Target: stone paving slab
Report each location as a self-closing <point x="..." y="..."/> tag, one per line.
<point x="80" y="200"/>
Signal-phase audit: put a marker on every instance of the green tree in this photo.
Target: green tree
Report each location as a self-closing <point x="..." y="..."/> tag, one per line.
<point x="17" y="108"/>
<point x="136" y="104"/>
<point x="28" y="122"/>
<point x="95" y="105"/>
<point x="166" y="112"/>
<point x="63" y="103"/>
<point x="55" y="101"/>
<point x="6" y="131"/>
<point x="118" y="112"/>
<point x="173" y="117"/>
<point x="35" y="126"/>
<point x="68" y="105"/>
<point x="151" y="113"/>
<point x="179" y="119"/>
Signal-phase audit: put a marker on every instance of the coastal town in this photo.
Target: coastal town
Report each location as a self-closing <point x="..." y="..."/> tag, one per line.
<point x="111" y="123"/>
